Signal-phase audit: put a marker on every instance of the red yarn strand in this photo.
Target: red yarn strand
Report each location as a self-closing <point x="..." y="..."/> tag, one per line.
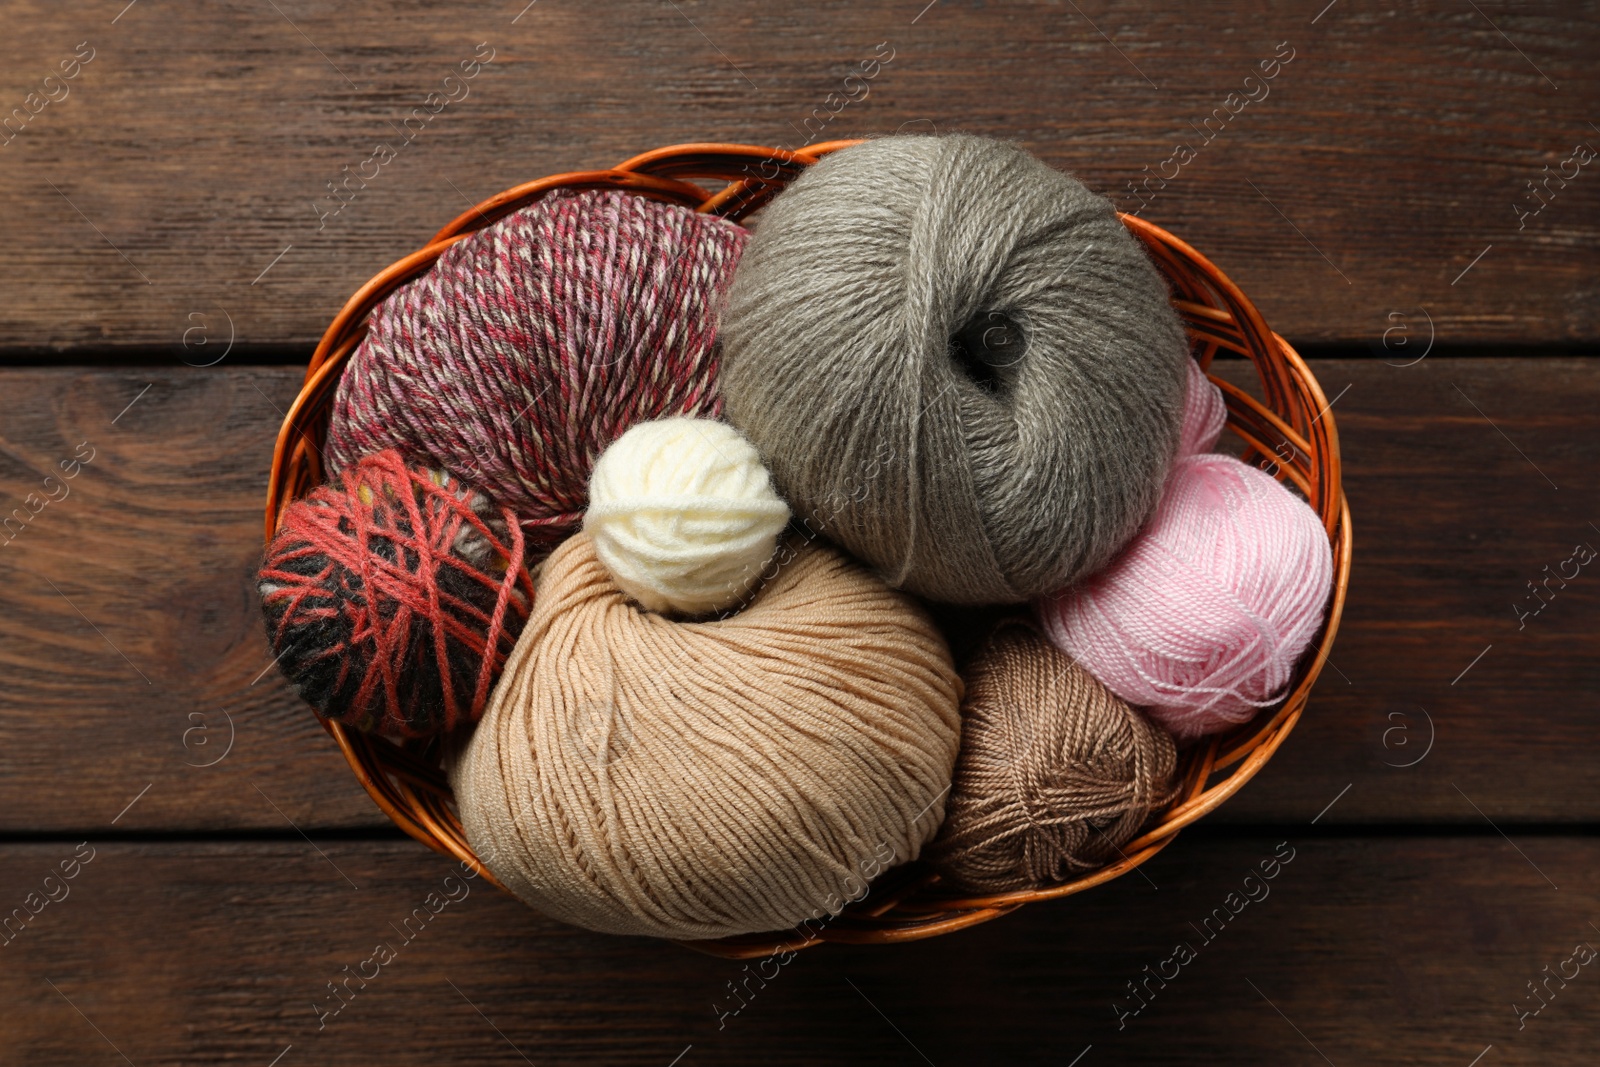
<point x="373" y="565"/>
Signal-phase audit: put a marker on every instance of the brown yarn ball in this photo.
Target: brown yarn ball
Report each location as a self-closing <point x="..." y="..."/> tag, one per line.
<point x="1054" y="774"/>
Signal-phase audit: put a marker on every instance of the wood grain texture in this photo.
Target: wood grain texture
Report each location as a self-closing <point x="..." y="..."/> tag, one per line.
<point x="1466" y="478"/>
<point x="132" y="634"/>
<point x="1374" y="952"/>
<point x="174" y="197"/>
<point x="173" y="204"/>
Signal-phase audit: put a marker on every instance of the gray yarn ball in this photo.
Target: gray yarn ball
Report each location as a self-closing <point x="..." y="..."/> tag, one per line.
<point x="957" y="363"/>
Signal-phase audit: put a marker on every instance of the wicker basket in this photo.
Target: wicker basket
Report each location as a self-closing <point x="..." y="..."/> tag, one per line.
<point x="1290" y="431"/>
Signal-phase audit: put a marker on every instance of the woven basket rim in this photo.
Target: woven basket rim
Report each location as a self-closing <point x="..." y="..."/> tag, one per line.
<point x="906" y="903"/>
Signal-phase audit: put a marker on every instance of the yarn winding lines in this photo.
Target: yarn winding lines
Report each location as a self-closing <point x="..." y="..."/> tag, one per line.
<point x="394" y="596"/>
<point x="1055" y="773"/>
<point x="635" y="774"/>
<point x="1202" y="620"/>
<point x="683" y="515"/>
<point x="985" y="320"/>
<point x="536" y="342"/>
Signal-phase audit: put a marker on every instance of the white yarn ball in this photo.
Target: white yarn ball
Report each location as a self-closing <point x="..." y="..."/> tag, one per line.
<point x="683" y="515"/>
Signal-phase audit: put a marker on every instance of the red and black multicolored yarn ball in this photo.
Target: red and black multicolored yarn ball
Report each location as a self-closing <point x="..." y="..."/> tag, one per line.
<point x="393" y="597"/>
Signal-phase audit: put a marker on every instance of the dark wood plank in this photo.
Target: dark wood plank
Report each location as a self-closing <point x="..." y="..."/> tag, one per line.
<point x="170" y="196"/>
<point x="131" y="625"/>
<point x="1375" y="952"/>
<point x="1466" y="478"/>
<point x="131" y="635"/>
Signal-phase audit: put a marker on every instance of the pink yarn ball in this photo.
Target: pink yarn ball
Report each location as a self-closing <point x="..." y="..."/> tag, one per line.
<point x="1205" y="414"/>
<point x="1202" y="618"/>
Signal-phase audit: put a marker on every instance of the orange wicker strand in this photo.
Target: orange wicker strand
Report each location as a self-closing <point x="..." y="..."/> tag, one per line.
<point x="1291" y="428"/>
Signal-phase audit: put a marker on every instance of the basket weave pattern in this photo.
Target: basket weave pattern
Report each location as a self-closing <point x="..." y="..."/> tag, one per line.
<point x="1291" y="433"/>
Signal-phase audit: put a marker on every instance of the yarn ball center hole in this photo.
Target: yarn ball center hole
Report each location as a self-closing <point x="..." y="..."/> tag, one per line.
<point x="988" y="347"/>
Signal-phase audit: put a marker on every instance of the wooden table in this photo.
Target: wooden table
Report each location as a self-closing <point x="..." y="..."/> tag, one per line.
<point x="172" y="252"/>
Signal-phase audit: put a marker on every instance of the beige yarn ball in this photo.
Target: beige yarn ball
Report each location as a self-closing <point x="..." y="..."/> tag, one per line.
<point x="635" y="774"/>
<point x="683" y="515"/>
